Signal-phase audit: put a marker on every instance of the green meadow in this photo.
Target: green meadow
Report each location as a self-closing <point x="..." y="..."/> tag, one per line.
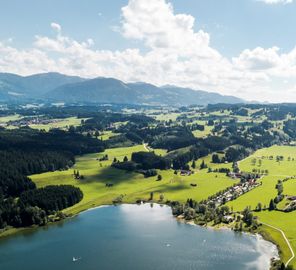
<point x="276" y="170"/>
<point x="132" y="186"/>
<point x="60" y="123"/>
<point x="203" y="133"/>
<point x="5" y="119"/>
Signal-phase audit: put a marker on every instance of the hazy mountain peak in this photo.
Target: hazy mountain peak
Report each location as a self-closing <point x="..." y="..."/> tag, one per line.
<point x="59" y="87"/>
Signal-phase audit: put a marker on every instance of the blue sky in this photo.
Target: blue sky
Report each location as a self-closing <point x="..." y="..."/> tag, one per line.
<point x="248" y="45"/>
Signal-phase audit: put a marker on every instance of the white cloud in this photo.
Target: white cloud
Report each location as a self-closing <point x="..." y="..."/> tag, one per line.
<point x="258" y="59"/>
<point x="56" y="27"/>
<point x="175" y="54"/>
<point x="155" y="23"/>
<point x="274" y="2"/>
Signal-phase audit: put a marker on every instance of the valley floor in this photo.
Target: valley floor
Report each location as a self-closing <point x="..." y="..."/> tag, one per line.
<point x="134" y="186"/>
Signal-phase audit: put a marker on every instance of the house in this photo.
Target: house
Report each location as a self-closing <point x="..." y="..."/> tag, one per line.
<point x="185" y="173"/>
<point x="228" y="219"/>
<point x="234" y="175"/>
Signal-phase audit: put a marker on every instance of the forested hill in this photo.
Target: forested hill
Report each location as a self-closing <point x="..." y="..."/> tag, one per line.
<point x="59" y="87"/>
<point x="26" y="151"/>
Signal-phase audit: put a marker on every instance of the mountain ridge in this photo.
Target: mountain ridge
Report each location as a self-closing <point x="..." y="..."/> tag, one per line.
<point x="59" y="87"/>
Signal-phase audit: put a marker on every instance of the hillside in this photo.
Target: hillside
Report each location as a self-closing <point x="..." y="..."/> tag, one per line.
<point x="59" y="87"/>
<point x="108" y="90"/>
<point x="18" y="87"/>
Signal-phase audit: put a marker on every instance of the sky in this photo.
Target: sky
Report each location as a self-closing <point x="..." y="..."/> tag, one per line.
<point x="245" y="48"/>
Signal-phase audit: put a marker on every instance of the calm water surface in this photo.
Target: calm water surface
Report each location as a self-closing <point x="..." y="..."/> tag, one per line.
<point x="131" y="237"/>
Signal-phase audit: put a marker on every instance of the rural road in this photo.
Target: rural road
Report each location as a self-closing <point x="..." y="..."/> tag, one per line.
<point x="286" y="239"/>
<point x="146" y="148"/>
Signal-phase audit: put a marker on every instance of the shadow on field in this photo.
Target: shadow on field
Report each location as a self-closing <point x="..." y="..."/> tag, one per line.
<point x="168" y="187"/>
<point x="111" y="176"/>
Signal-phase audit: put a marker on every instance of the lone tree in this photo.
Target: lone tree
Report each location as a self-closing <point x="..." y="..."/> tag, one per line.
<point x="259" y="207"/>
<point x="125" y="159"/>
<point x="203" y="165"/>
<point x="279" y="186"/>
<point x="235" y="167"/>
<point x="215" y="158"/>
<point x="193" y="165"/>
<point x="151" y="196"/>
<point x="271" y="205"/>
<point x="159" y="177"/>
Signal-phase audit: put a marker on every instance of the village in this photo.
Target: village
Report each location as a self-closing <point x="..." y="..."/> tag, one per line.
<point x="236" y="190"/>
<point x="27" y="121"/>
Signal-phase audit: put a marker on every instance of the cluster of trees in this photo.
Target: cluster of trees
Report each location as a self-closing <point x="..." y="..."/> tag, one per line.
<point x="34" y="205"/>
<point x="180" y="158"/>
<point x="144" y="162"/>
<point x="233" y="154"/>
<point x="197" y="127"/>
<point x="204" y="213"/>
<point x="290" y="128"/>
<point x="30" y="140"/>
<point x="16" y="215"/>
<point x="149" y="160"/>
<point x="160" y="136"/>
<point x="51" y="198"/>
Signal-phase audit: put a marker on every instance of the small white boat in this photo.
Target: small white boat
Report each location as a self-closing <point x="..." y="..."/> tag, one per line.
<point x="76" y="259"/>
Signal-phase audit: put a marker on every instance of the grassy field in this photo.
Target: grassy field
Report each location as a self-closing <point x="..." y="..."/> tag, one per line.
<point x="8" y="118"/>
<point x="204" y="133"/>
<point x="5" y="119"/>
<point x="133" y="186"/>
<point x="106" y="135"/>
<point x="167" y="116"/>
<point x="277" y="170"/>
<point x="61" y="123"/>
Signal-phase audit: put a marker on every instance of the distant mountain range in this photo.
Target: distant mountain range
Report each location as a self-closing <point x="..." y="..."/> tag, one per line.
<point x="70" y="89"/>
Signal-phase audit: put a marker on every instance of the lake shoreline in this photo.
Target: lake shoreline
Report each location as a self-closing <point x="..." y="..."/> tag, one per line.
<point x="158" y="216"/>
<point x="11" y="232"/>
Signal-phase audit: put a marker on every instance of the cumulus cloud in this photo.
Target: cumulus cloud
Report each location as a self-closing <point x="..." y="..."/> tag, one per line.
<point x="258" y="59"/>
<point x="175" y="54"/>
<point x="155" y="23"/>
<point x="56" y="27"/>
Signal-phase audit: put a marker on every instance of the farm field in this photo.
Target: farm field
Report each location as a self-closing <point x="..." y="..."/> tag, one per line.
<point x="61" y="123"/>
<point x="132" y="185"/>
<point x="5" y="119"/>
<point x="277" y="170"/>
<point x="167" y="117"/>
<point x="204" y="133"/>
<point x="107" y="135"/>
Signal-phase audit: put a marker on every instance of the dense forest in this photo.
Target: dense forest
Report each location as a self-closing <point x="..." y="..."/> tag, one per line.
<point x="26" y="151"/>
<point x="51" y="198"/>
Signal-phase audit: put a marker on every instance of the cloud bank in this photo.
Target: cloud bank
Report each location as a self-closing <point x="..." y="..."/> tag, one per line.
<point x="274" y="2"/>
<point x="175" y="54"/>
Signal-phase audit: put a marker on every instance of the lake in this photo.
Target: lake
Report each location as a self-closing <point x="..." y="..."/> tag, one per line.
<point x="128" y="237"/>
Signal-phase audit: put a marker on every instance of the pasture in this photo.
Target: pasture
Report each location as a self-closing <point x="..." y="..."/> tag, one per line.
<point x="132" y="186"/>
<point x="280" y="161"/>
